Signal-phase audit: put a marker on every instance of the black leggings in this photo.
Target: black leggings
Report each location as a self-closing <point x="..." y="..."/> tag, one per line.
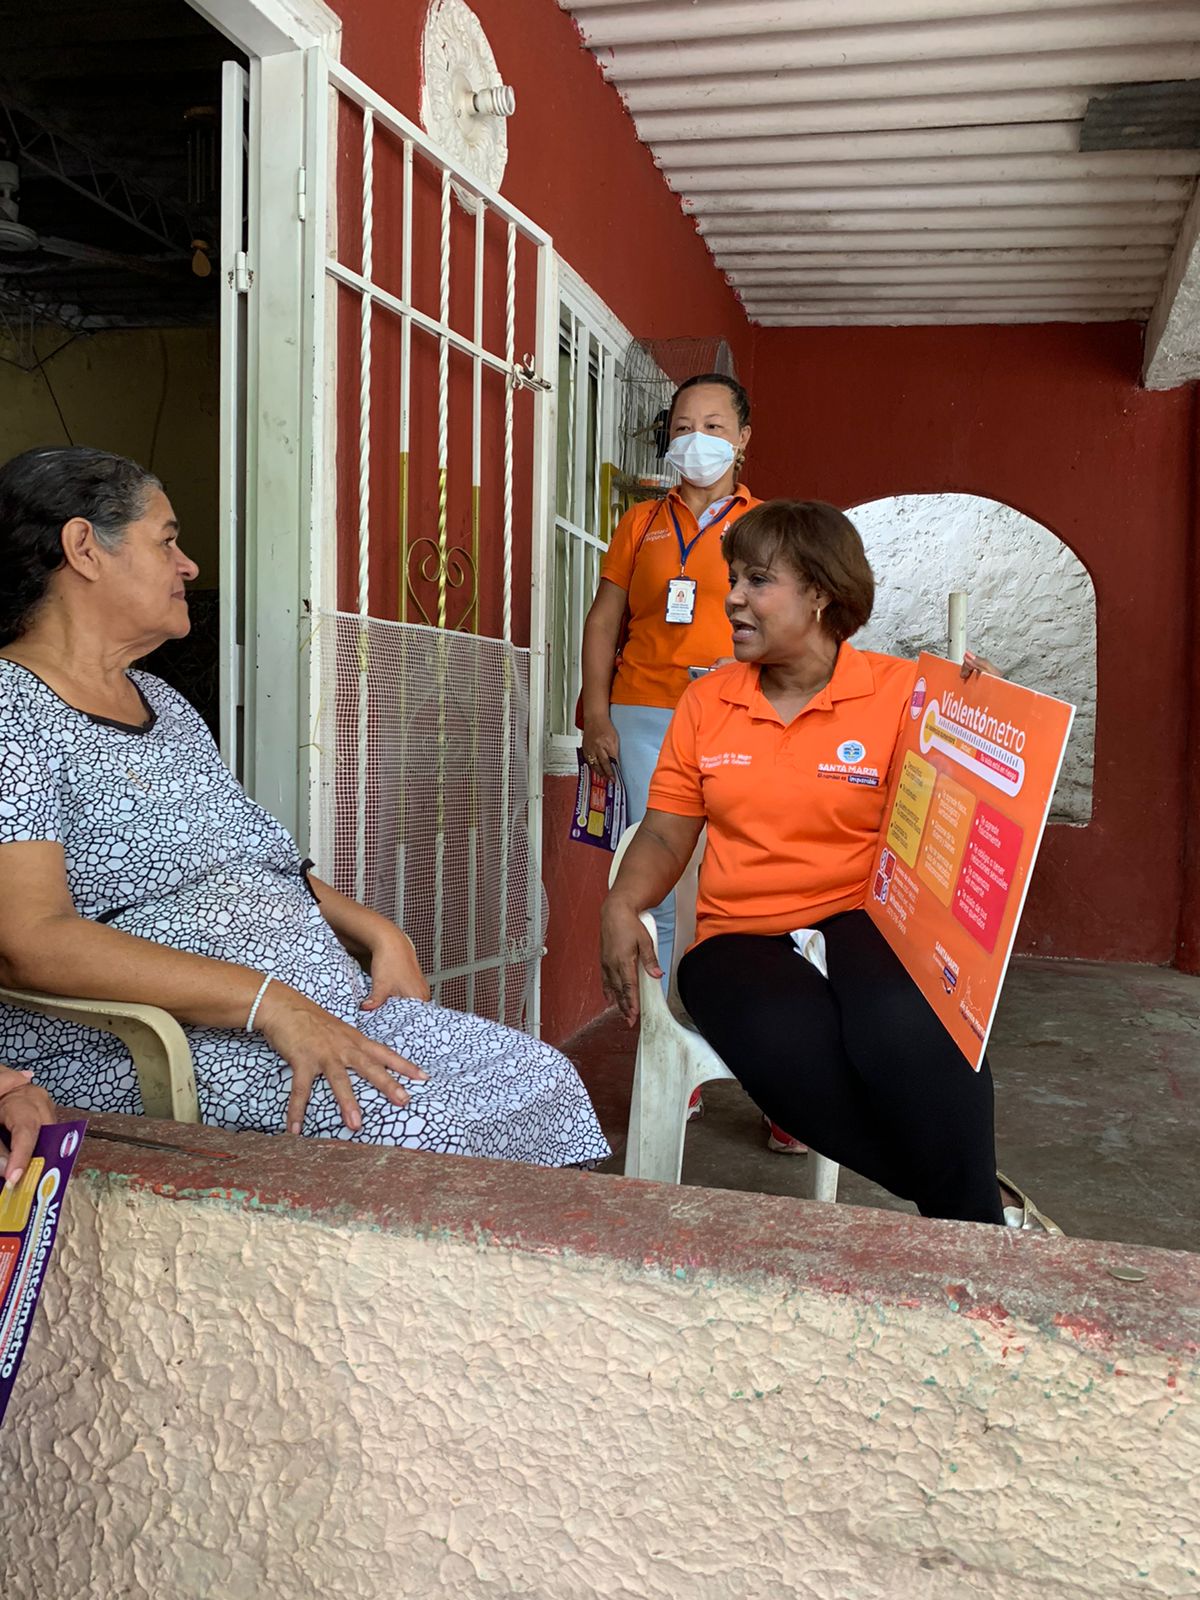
<point x="859" y="1067"/>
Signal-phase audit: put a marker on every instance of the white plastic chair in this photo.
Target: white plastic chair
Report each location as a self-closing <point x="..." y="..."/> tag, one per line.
<point x="673" y="1059"/>
<point x="158" y="1045"/>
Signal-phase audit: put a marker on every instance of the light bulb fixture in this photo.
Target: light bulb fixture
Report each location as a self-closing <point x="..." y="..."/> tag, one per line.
<point x="499" y="101"/>
<point x="465" y="103"/>
<point x="201" y="263"/>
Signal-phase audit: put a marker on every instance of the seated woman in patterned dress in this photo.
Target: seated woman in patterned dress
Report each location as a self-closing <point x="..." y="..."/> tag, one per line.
<point x="134" y="867"/>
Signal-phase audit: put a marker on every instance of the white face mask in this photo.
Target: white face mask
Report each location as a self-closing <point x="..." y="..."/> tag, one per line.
<point x="701" y="458"/>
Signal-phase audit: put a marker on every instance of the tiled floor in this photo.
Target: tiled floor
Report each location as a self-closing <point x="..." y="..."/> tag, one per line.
<point x="1097" y="1073"/>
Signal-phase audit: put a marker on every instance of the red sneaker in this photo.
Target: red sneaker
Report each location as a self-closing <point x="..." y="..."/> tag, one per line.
<point x="695" y="1106"/>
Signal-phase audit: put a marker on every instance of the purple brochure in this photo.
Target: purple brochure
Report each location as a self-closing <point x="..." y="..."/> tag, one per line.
<point x="28" y="1223"/>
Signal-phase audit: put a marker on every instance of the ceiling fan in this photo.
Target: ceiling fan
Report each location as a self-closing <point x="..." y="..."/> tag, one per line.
<point x="17" y="239"/>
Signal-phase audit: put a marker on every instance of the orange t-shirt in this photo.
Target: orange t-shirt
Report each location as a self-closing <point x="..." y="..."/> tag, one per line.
<point x="793" y="812"/>
<point x="642" y="559"/>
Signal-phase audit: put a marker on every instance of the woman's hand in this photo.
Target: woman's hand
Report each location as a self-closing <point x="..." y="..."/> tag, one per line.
<point x="24" y="1112"/>
<point x="624" y="943"/>
<point x="377" y="942"/>
<point x="395" y="971"/>
<point x="601" y="744"/>
<point x="974" y="666"/>
<point x="317" y="1045"/>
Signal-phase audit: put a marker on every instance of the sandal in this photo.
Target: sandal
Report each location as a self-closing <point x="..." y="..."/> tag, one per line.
<point x="782" y="1142"/>
<point x="1025" y="1215"/>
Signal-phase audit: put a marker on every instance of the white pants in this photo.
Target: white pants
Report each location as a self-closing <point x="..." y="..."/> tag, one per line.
<point x="641" y="730"/>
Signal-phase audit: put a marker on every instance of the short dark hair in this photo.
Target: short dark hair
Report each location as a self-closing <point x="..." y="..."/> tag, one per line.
<point x="821" y="546"/>
<point x="741" y="400"/>
<point x="40" y="491"/>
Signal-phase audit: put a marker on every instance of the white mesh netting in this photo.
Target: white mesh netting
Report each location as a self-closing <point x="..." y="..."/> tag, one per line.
<point x="424" y="805"/>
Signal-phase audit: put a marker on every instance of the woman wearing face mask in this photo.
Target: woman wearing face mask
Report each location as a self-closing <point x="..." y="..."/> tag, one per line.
<point x="664" y="582"/>
<point x="659" y="610"/>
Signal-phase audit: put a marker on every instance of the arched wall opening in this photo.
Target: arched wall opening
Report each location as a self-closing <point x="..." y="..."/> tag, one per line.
<point x="1031" y="605"/>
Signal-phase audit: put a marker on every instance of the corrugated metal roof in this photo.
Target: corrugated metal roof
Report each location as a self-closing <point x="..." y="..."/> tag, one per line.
<point x="909" y="161"/>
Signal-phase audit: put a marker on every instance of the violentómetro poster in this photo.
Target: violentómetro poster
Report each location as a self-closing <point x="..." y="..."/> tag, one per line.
<point x="29" y="1215"/>
<point x="971" y="785"/>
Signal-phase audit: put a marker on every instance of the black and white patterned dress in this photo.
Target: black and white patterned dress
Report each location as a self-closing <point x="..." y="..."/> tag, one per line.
<point x="162" y="842"/>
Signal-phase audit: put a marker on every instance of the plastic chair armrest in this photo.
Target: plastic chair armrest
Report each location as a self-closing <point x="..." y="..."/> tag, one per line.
<point x="155" y="1041"/>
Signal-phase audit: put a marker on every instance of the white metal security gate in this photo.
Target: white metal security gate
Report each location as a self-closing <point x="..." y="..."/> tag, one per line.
<point x="429" y="726"/>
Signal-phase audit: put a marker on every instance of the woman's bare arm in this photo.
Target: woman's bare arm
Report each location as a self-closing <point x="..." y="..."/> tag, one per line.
<point x="652" y="865"/>
<point x="376" y="941"/>
<point x="357" y="926"/>
<point x="601" y="631"/>
<point x="46" y="945"/>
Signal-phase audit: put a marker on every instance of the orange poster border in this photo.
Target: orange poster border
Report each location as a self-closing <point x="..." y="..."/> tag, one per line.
<point x="1004" y="745"/>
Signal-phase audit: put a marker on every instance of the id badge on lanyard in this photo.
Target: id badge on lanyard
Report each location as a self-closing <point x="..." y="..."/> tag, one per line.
<point x="681" y="591"/>
<point x="681" y="599"/>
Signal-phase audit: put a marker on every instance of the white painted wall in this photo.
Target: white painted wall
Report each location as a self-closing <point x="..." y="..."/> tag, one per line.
<point x="1031" y="606"/>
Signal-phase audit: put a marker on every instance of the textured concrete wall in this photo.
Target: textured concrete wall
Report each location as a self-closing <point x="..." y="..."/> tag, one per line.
<point x="279" y="1370"/>
<point x="1031" y="606"/>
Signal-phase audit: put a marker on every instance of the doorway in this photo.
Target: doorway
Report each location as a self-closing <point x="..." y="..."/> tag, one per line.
<point x="111" y="226"/>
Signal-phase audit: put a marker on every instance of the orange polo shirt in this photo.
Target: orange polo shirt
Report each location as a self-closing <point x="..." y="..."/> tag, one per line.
<point x="642" y="559"/>
<point x="793" y="812"/>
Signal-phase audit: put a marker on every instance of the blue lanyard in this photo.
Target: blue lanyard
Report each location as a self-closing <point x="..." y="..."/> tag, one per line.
<point x="706" y="521"/>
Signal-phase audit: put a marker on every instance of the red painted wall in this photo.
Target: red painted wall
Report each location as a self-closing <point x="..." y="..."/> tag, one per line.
<point x="1187" y="955"/>
<point x="1051" y="420"/>
<point x="575" y="166"/>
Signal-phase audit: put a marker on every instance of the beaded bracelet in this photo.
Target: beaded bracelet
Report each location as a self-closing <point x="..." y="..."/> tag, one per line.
<point x="257" y="1002"/>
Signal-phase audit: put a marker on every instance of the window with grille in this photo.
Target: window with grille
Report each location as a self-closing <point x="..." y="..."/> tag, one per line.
<point x="591" y="344"/>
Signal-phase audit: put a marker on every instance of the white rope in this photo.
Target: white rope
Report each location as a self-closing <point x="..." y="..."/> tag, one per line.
<point x="510" y="355"/>
<point x="476" y="363"/>
<point x="406" y="203"/>
<point x="443" y="397"/>
<point x="405" y="369"/>
<point x="510" y="352"/>
<point x="439" y="898"/>
<point x="476" y="516"/>
<point x="364" y="494"/>
<point x="364" y="369"/>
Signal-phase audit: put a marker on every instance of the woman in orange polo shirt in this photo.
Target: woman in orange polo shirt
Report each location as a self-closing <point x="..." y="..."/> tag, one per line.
<point x="785" y="755"/>
<point x="665" y="579"/>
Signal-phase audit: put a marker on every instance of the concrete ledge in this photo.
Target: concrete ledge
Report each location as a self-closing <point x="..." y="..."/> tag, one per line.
<point x="873" y="1257"/>
<point x="282" y="1367"/>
